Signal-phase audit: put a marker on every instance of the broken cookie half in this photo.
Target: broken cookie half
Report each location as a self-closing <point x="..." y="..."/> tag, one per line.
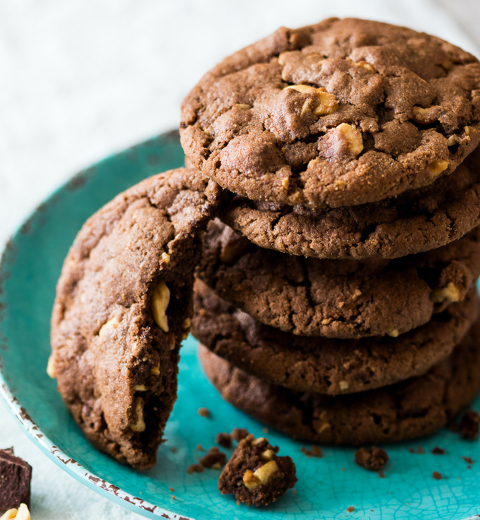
<point x="255" y="474"/>
<point x="123" y="305"/>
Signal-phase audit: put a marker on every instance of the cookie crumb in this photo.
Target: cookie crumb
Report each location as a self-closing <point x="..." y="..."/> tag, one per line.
<point x="199" y="447"/>
<point x="411" y="450"/>
<point x="438" y="451"/>
<point x="214" y="459"/>
<point x="373" y="459"/>
<point x="195" y="468"/>
<point x="436" y="475"/>
<point x="255" y="474"/>
<point x="381" y="474"/>
<point x="204" y="412"/>
<point x="314" y="451"/>
<point x="239" y="433"/>
<point x="171" y="490"/>
<point x="342" y="469"/>
<point x="173" y="449"/>
<point x="350" y="509"/>
<point x="468" y="460"/>
<point x="420" y="450"/>
<point x="469" y="425"/>
<point x="265" y="430"/>
<point x="294" y="491"/>
<point x="224" y="439"/>
<point x="173" y="497"/>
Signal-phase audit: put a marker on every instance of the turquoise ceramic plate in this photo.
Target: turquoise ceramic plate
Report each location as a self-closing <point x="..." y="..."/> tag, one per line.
<point x="326" y="487"/>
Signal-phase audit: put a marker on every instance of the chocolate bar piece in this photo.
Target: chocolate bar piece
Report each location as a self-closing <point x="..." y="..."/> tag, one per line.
<point x="15" y="478"/>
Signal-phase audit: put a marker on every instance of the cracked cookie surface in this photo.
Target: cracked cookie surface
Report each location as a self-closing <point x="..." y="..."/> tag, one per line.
<point x="413" y="408"/>
<point x="341" y="113"/>
<point x="326" y="365"/>
<point x="414" y="222"/>
<point x="339" y="299"/>
<point x="123" y="305"/>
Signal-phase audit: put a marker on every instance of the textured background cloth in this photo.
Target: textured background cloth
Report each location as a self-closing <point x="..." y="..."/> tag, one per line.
<point x="82" y="79"/>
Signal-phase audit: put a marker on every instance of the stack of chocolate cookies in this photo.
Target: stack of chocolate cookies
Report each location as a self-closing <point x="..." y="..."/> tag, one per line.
<point x="337" y="298"/>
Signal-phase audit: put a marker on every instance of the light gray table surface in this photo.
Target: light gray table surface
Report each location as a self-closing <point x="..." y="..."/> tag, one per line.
<point x="81" y="79"/>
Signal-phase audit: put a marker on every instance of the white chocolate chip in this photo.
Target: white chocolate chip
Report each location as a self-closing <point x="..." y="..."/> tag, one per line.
<point x="187" y="323"/>
<point x="257" y="441"/>
<point x="286" y="183"/>
<point x="366" y="65"/>
<point x="353" y="137"/>
<point x="261" y="476"/>
<point x="327" y="103"/>
<point x="160" y="301"/>
<point x="139" y="425"/>
<point x="166" y="258"/>
<point x="155" y="371"/>
<point x="450" y="293"/>
<point x="265" y="472"/>
<point x="51" y="367"/>
<point x="22" y="513"/>
<point x="343" y="385"/>
<point x="267" y="455"/>
<point x="437" y="167"/>
<point x="250" y="480"/>
<point x="394" y="333"/>
<point x="420" y="111"/>
<point x="242" y="106"/>
<point x="108" y="327"/>
<point x="140" y="388"/>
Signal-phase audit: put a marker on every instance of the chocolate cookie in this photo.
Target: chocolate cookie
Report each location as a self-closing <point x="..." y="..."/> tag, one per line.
<point x="123" y="305"/>
<point x="413" y="222"/>
<point x="255" y="474"/>
<point x="338" y="299"/>
<point x="406" y="410"/>
<point x="326" y="365"/>
<point x="336" y="114"/>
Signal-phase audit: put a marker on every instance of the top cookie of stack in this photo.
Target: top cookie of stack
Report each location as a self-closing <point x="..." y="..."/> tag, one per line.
<point x="344" y="139"/>
<point x="354" y="143"/>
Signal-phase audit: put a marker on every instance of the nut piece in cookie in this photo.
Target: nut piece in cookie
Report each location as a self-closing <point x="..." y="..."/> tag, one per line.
<point x="255" y="474"/>
<point x="15" y="478"/>
<point x="374" y="459"/>
<point x="123" y="306"/>
<point x="22" y="513"/>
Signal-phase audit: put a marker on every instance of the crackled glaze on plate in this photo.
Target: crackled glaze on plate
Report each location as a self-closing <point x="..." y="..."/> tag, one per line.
<point x="30" y="267"/>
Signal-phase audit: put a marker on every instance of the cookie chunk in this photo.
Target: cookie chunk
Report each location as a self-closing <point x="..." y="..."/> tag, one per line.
<point x="414" y="222"/>
<point x="123" y="305"/>
<point x="419" y="406"/>
<point x="373" y="459"/>
<point x="255" y="474"/>
<point x="339" y="299"/>
<point x="341" y="113"/>
<point x="15" y="480"/>
<point x="326" y="365"/>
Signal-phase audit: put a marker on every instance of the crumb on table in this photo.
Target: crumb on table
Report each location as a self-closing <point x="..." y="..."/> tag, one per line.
<point x="438" y="451"/>
<point x="204" y="412"/>
<point x="214" y="459"/>
<point x="224" y="439"/>
<point x="373" y="459"/>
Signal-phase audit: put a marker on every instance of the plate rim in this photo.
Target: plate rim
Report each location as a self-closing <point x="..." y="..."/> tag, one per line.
<point x="30" y="428"/>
